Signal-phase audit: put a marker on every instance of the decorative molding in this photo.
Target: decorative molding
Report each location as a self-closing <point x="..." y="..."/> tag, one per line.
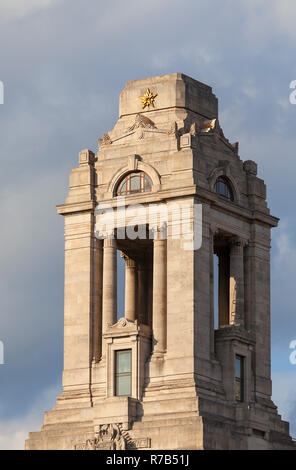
<point x="142" y="122"/>
<point x="133" y="161"/>
<point x="106" y="140"/>
<point x="237" y="241"/>
<point x="109" y="241"/>
<point x="112" y="437"/>
<point x="188" y="140"/>
<point x="140" y="443"/>
<point x="109" y="437"/>
<point x="124" y="323"/>
<point x="235" y="332"/>
<point x="142" y="127"/>
<point x="250" y="167"/>
<point x="87" y="206"/>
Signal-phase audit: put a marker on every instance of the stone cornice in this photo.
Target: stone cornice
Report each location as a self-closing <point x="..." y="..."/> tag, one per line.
<point x="83" y="206"/>
<point x="205" y="196"/>
<point x="235" y="333"/>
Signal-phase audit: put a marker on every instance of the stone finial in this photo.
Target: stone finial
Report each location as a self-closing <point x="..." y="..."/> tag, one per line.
<point x="208" y="125"/>
<point x="193" y="129"/>
<point x="235" y="146"/>
<point x="106" y="140"/>
<point x="86" y="157"/>
<point x="250" y="167"/>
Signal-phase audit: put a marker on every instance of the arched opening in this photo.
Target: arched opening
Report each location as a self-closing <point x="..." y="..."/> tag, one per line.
<point x="223" y="188"/>
<point x="134" y="182"/>
<point x="221" y="281"/>
<point x="135" y="278"/>
<point x="228" y="280"/>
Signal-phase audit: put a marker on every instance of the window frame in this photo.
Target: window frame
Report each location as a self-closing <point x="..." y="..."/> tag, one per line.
<point x="229" y="193"/>
<point x="117" y="374"/>
<point x="127" y="182"/>
<point x="239" y="380"/>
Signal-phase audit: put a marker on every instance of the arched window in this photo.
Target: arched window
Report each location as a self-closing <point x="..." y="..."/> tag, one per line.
<point x="223" y="188"/>
<point x="135" y="182"/>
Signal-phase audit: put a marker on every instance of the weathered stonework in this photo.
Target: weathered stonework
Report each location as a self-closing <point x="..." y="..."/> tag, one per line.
<point x="183" y="389"/>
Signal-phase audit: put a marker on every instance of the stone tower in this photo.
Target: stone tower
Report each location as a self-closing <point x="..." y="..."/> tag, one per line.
<point x="167" y="375"/>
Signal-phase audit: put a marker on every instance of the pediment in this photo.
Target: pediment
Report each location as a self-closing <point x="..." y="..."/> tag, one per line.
<point x="124" y="324"/>
<point x="142" y="128"/>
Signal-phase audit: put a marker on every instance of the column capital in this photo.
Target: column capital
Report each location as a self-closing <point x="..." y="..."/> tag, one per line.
<point x="129" y="262"/>
<point x="238" y="241"/>
<point x="159" y="231"/>
<point x="102" y="234"/>
<point x="123" y="255"/>
<point x="109" y="242"/>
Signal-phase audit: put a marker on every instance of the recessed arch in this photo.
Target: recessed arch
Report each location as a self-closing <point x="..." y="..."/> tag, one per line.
<point x="223" y="188"/>
<point x="223" y="174"/>
<point x="141" y="167"/>
<point x="134" y="182"/>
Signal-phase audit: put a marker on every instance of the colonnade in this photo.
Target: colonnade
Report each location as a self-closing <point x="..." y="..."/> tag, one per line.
<point x="145" y="290"/>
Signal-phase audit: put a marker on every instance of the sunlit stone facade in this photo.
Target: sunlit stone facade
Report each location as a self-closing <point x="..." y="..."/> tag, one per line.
<point x="165" y="376"/>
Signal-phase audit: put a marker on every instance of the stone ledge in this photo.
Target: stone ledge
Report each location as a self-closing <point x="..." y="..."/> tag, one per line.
<point x="76" y="207"/>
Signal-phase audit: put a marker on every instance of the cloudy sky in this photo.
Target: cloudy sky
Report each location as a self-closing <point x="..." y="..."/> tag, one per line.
<point x="63" y="64"/>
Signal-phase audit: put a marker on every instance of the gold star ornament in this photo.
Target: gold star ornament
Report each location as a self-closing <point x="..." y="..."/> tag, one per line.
<point x="148" y="99"/>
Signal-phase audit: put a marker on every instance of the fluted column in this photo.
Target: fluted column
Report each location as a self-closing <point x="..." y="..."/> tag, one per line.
<point x="109" y="283"/>
<point x="159" y="320"/>
<point x="236" y="285"/>
<point x="130" y="288"/>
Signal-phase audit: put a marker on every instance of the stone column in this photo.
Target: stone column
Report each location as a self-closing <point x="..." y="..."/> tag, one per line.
<point x="223" y="288"/>
<point x="236" y="284"/>
<point x="130" y="288"/>
<point x="159" y="320"/>
<point x="149" y="295"/>
<point x="142" y="294"/>
<point x="109" y="283"/>
<point x="97" y="301"/>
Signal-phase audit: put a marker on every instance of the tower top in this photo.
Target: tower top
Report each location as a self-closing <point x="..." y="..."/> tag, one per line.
<point x="161" y="92"/>
<point x="170" y="192"/>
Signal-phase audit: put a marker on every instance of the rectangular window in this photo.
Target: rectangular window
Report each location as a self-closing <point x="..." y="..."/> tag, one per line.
<point x="239" y="378"/>
<point x="123" y="372"/>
